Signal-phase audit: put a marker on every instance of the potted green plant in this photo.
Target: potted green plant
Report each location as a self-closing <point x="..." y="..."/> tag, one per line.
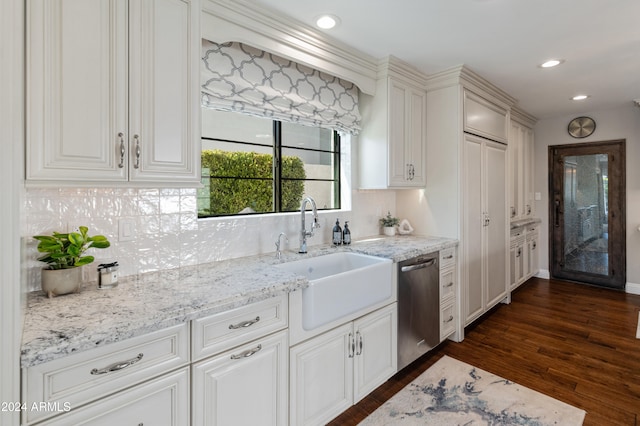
<point x="64" y="255"/>
<point x="389" y="224"/>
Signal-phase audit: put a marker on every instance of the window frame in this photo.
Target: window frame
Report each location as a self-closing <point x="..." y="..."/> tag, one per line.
<point x="277" y="180"/>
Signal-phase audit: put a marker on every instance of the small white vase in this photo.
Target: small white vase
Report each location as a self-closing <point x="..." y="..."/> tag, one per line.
<point x="389" y="230"/>
<point x="56" y="282"/>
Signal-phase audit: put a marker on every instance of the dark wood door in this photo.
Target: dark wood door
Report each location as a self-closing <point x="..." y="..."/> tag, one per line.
<point x="587" y="213"/>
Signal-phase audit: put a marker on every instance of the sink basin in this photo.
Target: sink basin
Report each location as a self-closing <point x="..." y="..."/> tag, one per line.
<point x="340" y="284"/>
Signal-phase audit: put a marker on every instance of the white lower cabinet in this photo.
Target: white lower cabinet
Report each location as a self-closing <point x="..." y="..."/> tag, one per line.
<point x="243" y="386"/>
<point x="160" y="402"/>
<point x="94" y="376"/>
<point x="331" y="372"/>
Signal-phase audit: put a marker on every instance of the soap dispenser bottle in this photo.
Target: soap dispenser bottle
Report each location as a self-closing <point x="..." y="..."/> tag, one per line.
<point x="337" y="234"/>
<point x="346" y="234"/>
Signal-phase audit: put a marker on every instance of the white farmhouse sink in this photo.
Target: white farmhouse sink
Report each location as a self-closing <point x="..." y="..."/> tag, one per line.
<point x="340" y="284"/>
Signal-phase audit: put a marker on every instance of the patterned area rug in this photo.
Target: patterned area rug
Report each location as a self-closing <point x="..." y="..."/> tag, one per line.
<point x="451" y="393"/>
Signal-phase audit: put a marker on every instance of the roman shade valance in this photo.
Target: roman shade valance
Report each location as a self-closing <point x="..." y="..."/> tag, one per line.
<point x="240" y="78"/>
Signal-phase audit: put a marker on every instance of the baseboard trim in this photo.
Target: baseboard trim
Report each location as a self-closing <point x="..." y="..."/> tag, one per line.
<point x="633" y="288"/>
<point x="543" y="273"/>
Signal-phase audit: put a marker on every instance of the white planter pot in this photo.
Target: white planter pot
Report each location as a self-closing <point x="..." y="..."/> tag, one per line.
<point x="56" y="282"/>
<point x="389" y="230"/>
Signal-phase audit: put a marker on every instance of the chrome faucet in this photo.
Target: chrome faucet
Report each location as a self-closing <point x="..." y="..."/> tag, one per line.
<point x="278" y="252"/>
<point x="303" y="231"/>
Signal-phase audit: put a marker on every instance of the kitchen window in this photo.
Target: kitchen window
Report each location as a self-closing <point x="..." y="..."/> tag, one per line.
<point x="253" y="165"/>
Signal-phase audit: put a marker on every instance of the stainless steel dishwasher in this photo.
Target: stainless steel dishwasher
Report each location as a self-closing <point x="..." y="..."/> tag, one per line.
<point x="418" y="307"/>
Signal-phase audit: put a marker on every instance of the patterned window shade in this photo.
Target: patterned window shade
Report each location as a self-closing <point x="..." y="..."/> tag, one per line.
<point x="240" y="78"/>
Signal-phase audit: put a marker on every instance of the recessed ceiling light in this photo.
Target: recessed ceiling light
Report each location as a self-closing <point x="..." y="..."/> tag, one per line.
<point x="326" y="22"/>
<point x="551" y="63"/>
<point x="580" y="97"/>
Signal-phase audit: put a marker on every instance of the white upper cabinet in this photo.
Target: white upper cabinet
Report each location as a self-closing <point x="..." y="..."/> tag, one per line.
<point x="521" y="166"/>
<point x="113" y="92"/>
<point x="485" y="118"/>
<point x="392" y="144"/>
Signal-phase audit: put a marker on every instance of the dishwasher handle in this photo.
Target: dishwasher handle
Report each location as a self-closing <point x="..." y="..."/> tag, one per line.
<point x="418" y="266"/>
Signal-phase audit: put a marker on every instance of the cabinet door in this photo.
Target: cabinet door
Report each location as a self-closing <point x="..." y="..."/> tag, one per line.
<point x="321" y="382"/>
<point x="528" y="168"/>
<point x="376" y="353"/>
<point x="473" y="225"/>
<point x="416" y="144"/>
<point x="407" y="133"/>
<point x="76" y="90"/>
<point x="398" y="110"/>
<point x="496" y="231"/>
<point x="164" y="73"/>
<point x="515" y="171"/>
<point x="163" y="402"/>
<point x="533" y="256"/>
<point x="244" y="386"/>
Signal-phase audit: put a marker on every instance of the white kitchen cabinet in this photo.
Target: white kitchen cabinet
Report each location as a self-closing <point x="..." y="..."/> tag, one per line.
<point x="521" y="166"/>
<point x="485" y="118"/>
<point x="532" y="250"/>
<point x="392" y="144"/>
<point x="466" y="193"/>
<point x="243" y="386"/>
<point x="484" y="225"/>
<point x="517" y="258"/>
<point x="93" y="375"/>
<point x="113" y="92"/>
<point x="332" y="371"/>
<point x="160" y="402"/>
<point x="448" y="294"/>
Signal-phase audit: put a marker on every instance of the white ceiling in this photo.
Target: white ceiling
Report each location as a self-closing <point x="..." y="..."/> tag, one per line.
<point x="502" y="40"/>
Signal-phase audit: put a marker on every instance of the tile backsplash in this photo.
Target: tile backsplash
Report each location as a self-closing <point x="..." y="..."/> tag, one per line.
<point x="167" y="233"/>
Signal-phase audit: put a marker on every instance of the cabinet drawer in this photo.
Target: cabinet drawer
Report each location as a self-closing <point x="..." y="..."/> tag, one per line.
<point x="447" y="258"/>
<point x="223" y="331"/>
<point x="161" y="402"/>
<point x="86" y="376"/>
<point x="447" y="320"/>
<point x="447" y="284"/>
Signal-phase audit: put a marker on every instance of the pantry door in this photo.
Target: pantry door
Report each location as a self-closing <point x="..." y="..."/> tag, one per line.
<point x="587" y="213"/>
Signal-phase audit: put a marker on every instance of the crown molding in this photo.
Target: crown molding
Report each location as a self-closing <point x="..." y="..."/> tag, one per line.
<point x="523" y="117"/>
<point x="245" y="22"/>
<point x="469" y="79"/>
<point x="393" y="66"/>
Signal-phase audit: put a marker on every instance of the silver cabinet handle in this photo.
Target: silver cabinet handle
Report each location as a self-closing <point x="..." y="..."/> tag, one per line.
<point x="533" y="246"/>
<point x="136" y="139"/>
<point x="449" y="285"/>
<point x="528" y="209"/>
<point x="247" y="353"/>
<point x="519" y="252"/>
<point x="359" y="343"/>
<point x="122" y="150"/>
<point x="117" y="366"/>
<point x="448" y="319"/>
<point x="352" y="345"/>
<point x="244" y="324"/>
<point x="448" y="257"/>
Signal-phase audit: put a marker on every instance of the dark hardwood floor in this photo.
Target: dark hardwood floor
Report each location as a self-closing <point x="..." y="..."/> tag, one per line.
<point x="573" y="342"/>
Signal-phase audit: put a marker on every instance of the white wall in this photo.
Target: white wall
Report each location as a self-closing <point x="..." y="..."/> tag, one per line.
<point x="621" y="123"/>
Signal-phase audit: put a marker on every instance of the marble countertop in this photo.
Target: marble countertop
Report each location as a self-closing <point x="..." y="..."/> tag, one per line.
<point x="57" y="327"/>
